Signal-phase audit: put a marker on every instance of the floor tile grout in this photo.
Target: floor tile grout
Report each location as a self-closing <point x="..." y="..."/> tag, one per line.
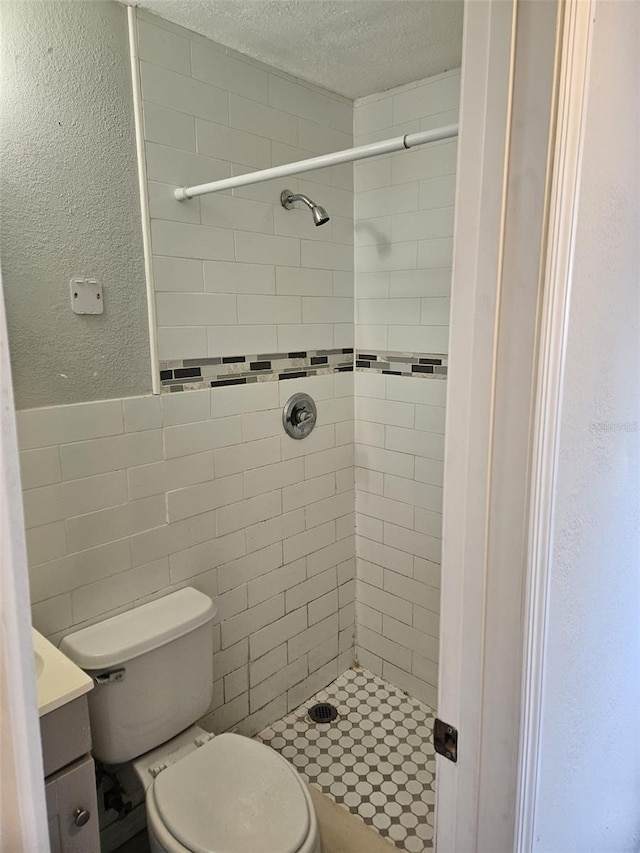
<point x="376" y="759"/>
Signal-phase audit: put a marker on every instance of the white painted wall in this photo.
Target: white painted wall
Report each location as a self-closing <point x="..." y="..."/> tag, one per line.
<point x="589" y="776"/>
<point x="403" y="233"/>
<point x="69" y="203"/>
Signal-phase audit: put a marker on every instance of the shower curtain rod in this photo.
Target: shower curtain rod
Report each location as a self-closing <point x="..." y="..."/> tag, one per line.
<point x="375" y="149"/>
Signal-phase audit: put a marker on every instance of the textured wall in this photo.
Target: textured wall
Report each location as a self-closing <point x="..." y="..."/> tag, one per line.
<point x="351" y="48"/>
<point x="70" y="203"/>
<point x="589" y="778"/>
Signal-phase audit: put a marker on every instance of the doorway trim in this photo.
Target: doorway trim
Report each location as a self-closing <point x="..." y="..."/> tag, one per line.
<point x="23" y="824"/>
<point x="487" y="800"/>
<point x="485" y="113"/>
<point x="565" y="193"/>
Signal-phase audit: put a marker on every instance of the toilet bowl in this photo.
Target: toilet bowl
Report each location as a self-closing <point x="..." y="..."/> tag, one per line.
<point x="205" y="793"/>
<point x="231" y="795"/>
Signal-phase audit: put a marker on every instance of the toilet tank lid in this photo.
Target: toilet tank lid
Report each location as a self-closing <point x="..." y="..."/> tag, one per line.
<point x="135" y="632"/>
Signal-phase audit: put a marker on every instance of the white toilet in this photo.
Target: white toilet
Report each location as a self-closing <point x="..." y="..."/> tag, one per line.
<point x="204" y="793"/>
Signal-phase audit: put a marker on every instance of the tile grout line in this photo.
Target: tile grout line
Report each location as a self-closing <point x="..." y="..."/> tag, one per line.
<point x="376" y="759"/>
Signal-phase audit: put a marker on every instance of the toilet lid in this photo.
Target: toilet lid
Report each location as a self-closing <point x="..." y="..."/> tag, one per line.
<point x="233" y="795"/>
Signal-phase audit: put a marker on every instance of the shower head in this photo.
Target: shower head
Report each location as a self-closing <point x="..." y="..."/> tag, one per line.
<point x="319" y="214"/>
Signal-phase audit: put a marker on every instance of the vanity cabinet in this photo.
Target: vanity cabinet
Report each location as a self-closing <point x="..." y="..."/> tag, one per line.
<point x="70" y="786"/>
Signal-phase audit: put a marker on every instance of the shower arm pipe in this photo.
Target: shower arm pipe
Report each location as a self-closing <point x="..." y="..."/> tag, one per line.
<point x="348" y="155"/>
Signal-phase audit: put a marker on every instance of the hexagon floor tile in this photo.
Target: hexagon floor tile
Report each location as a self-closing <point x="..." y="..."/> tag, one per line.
<point x="376" y="759"/>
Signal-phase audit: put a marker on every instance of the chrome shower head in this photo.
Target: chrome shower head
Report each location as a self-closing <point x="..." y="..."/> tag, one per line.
<point x="319" y="214"/>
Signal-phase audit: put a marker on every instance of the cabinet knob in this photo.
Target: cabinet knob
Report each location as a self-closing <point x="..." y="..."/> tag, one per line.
<point x="81" y="816"/>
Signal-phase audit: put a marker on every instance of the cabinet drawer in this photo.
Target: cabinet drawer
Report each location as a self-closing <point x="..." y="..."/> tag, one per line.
<point x="65" y="735"/>
<point x="70" y="792"/>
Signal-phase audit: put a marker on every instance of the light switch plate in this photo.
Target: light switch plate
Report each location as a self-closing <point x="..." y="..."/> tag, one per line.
<point x="86" y="296"/>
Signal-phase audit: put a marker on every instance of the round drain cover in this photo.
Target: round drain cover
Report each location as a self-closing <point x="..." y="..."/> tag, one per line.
<point x="324" y="712"/>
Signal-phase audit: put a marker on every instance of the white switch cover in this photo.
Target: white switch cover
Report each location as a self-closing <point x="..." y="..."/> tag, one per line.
<point x="86" y="296"/>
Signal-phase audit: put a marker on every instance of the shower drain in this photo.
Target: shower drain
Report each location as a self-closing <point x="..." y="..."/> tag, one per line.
<point x="324" y="712"/>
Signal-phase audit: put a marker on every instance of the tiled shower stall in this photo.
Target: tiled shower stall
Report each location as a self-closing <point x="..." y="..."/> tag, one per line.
<point x="318" y="552"/>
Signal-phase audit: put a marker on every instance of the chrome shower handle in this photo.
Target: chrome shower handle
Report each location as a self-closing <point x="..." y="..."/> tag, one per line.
<point x="299" y="416"/>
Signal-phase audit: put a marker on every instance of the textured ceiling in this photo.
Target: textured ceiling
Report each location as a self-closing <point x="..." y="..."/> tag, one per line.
<point x="354" y="47"/>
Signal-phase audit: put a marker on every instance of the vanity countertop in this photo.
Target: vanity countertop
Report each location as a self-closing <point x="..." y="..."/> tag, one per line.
<point x="59" y="679"/>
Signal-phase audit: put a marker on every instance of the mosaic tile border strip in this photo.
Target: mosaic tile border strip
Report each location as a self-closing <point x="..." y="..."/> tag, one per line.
<point x="194" y="373"/>
<point x="190" y="374"/>
<point x="418" y="365"/>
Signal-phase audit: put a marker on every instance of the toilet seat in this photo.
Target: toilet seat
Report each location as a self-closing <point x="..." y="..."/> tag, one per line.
<point x="232" y="795"/>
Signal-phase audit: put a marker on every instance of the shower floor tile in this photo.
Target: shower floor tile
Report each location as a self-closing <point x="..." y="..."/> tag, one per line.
<point x="376" y="759"/>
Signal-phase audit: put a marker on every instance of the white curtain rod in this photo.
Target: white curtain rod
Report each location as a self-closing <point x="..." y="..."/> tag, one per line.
<point x="375" y="149"/>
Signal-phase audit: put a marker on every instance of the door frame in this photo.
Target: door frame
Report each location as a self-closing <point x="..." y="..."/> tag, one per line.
<point x="483" y="143"/>
<point x="573" y="77"/>
<point x="23" y="824"/>
<point x="498" y="501"/>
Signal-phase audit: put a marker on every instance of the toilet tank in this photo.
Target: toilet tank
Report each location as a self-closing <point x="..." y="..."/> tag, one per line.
<point x="152" y="668"/>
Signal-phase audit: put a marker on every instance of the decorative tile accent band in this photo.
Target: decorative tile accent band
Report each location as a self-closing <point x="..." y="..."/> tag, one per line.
<point x="189" y="374"/>
<point x="418" y="364"/>
<point x="193" y="373"/>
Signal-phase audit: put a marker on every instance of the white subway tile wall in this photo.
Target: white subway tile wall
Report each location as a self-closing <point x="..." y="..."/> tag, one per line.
<point x="404" y="219"/>
<point x="234" y="272"/>
<point x="127" y="500"/>
<point x="403" y="246"/>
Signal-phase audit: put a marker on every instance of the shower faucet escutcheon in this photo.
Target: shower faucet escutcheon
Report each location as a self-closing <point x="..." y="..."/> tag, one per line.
<point x="299" y="416"/>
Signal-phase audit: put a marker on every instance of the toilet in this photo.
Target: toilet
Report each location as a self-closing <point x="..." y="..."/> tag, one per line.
<point x="205" y="793"/>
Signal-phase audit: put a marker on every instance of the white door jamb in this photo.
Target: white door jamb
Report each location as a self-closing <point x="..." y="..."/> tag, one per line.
<point x="565" y="189"/>
<point x="485" y="113"/>
<point x="23" y="816"/>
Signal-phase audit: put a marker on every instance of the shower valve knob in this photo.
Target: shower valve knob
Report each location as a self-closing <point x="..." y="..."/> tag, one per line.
<point x="299" y="416"/>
